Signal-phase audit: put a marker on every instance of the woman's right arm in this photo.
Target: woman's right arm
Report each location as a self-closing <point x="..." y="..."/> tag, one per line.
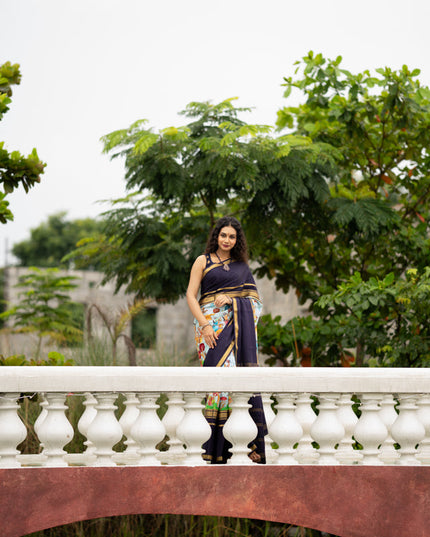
<point x="196" y="276"/>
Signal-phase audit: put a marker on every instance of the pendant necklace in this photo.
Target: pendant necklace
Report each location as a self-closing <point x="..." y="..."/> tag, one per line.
<point x="225" y="267"/>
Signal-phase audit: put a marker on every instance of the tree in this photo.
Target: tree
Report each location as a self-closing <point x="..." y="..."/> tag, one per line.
<point x="182" y="179"/>
<point x="53" y="239"/>
<point x="15" y="169"/>
<point x="45" y="308"/>
<point x="376" y="220"/>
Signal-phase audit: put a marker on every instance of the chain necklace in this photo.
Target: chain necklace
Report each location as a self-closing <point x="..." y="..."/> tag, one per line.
<point x="225" y="267"/>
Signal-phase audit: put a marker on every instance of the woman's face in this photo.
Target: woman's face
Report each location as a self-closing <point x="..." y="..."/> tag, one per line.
<point x="227" y="239"/>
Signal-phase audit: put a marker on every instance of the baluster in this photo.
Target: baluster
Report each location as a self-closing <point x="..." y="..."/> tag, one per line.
<point x="172" y="418"/>
<point x="240" y="429"/>
<point x="387" y="452"/>
<point x="370" y="430"/>
<point x="42" y="415"/>
<point x="55" y="431"/>
<point x="407" y="430"/>
<point x="84" y="422"/>
<point x="104" y="431"/>
<point x="306" y="453"/>
<point x="345" y="452"/>
<point x="127" y="420"/>
<point x="148" y="430"/>
<point x="269" y="415"/>
<point x="193" y="429"/>
<point x="12" y="430"/>
<point x="423" y="415"/>
<point x="286" y="430"/>
<point x="327" y="430"/>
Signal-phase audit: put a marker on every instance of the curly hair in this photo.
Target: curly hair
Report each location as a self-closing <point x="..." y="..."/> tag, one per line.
<point x="239" y="252"/>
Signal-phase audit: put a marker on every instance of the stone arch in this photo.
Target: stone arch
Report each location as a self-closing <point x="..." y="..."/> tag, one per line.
<point x="349" y="501"/>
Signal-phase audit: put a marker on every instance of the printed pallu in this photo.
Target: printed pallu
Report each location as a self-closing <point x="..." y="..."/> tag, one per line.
<point x="236" y="327"/>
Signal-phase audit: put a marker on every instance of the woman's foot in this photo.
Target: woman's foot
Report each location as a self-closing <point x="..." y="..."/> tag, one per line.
<point x="254" y="456"/>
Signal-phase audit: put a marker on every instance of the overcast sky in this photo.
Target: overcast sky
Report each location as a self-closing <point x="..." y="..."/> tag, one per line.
<point x="93" y="66"/>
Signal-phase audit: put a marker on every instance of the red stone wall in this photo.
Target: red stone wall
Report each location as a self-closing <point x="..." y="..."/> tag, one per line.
<point x="350" y="501"/>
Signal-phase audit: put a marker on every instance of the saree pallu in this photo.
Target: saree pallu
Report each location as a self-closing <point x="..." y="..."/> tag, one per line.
<point x="236" y="328"/>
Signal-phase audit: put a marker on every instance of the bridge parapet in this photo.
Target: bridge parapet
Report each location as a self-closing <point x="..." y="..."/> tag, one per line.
<point x="316" y="416"/>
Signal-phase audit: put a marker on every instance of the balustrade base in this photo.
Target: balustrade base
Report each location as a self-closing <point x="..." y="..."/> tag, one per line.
<point x="32" y="460"/>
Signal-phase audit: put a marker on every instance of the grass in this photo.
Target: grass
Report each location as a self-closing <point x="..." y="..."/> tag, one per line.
<point x="171" y="526"/>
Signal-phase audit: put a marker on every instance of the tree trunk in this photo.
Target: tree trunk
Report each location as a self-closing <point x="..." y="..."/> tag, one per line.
<point x="359" y="354"/>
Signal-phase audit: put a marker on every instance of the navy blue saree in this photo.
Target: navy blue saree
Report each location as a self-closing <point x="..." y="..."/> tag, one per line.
<point x="235" y="326"/>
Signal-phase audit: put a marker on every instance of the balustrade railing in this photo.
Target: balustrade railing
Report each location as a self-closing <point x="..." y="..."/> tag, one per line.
<point x="326" y="416"/>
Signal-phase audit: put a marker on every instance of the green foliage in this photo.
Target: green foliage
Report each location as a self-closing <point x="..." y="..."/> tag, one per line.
<point x="52" y="240"/>
<point x="145" y="247"/>
<point x="144" y="328"/>
<point x="304" y="341"/>
<point x="376" y="220"/>
<point x="15" y="169"/>
<point x="14" y="360"/>
<point x="54" y="358"/>
<point x="182" y="179"/>
<point x="388" y="316"/>
<point x="45" y="308"/>
<point x="9" y="75"/>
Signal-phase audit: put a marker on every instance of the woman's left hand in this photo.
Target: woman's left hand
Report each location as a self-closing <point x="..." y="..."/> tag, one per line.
<point x="221" y="300"/>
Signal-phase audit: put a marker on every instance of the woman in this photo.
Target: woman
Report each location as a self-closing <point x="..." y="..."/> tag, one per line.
<point x="225" y="324"/>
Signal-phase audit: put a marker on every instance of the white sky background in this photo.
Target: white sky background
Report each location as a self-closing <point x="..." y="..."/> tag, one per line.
<point x="93" y="66"/>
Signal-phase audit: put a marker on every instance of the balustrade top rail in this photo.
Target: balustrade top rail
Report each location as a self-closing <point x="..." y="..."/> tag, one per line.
<point x="200" y="379"/>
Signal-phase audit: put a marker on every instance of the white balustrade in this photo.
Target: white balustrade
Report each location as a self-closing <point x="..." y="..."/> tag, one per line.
<point x="104" y="431"/>
<point x="285" y="429"/>
<point x="269" y="415"/>
<point x="306" y="453"/>
<point x="172" y="418"/>
<point x="387" y="452"/>
<point x="423" y="414"/>
<point x="147" y="431"/>
<point x="193" y="430"/>
<point x="327" y="430"/>
<point x="387" y="437"/>
<point x="43" y="413"/>
<point x="55" y="431"/>
<point x="345" y="452"/>
<point x="370" y="430"/>
<point x="407" y="430"/>
<point x="240" y="429"/>
<point x="12" y="430"/>
<point x="127" y="420"/>
<point x="87" y="417"/>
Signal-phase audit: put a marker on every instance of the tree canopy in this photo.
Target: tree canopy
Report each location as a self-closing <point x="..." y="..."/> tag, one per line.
<point x="376" y="220"/>
<point x="52" y="240"/>
<point x="15" y="169"/>
<point x="182" y="179"/>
